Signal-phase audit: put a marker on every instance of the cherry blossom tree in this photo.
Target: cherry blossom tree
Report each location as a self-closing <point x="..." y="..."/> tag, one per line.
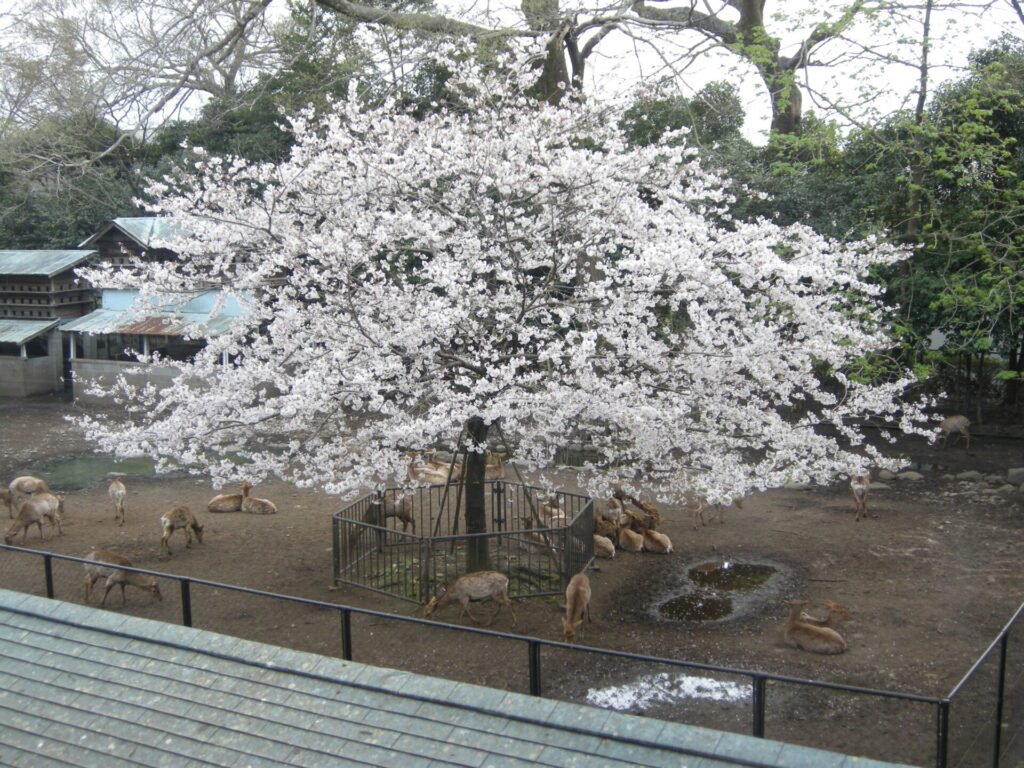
<point x="507" y="262"/>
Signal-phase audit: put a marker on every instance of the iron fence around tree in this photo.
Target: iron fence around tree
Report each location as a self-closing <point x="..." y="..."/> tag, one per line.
<point x="538" y="553"/>
<point x="980" y="722"/>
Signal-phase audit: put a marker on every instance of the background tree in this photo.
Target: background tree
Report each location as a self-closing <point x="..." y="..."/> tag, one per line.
<point x="504" y="261"/>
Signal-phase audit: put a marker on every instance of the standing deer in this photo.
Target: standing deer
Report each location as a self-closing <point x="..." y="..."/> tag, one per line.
<point x="577" y="602"/>
<point x="179" y="517"/>
<point x="117" y="492"/>
<point x="21" y="488"/>
<point x="859" y="486"/>
<point x="959" y="424"/>
<point x="102" y="565"/>
<point x="32" y="511"/>
<point x="473" y="587"/>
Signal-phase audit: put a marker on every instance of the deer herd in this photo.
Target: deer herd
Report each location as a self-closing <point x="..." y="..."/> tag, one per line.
<point x="621" y="523"/>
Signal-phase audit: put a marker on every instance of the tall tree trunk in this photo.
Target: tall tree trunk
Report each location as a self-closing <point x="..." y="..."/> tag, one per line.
<point x="477" y="550"/>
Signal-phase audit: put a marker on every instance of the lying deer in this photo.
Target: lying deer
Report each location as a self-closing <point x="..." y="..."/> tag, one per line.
<point x="473" y="587"/>
<point x="959" y="424"/>
<point x="810" y="637"/>
<point x="179" y="517"/>
<point x="837" y="616"/>
<point x="577" y="602"/>
<point x="101" y="566"/>
<point x="254" y="505"/>
<point x="117" y="492"/>
<point x="225" y="502"/>
<point x="859" y="486"/>
<point x="630" y="540"/>
<point x="33" y="511"/>
<point x="433" y="471"/>
<point x="603" y="546"/>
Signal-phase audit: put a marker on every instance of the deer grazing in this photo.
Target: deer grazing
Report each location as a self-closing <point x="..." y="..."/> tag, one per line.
<point x="102" y="565"/>
<point x="473" y="587"/>
<point x="657" y="542"/>
<point x="959" y="424"/>
<point x="225" y="502"/>
<point x="577" y="602"/>
<point x="810" y="637"/>
<point x="254" y="505"/>
<point x="33" y="511"/>
<point x="179" y="516"/>
<point x="630" y="540"/>
<point x="22" y="488"/>
<point x="117" y="492"/>
<point x="859" y="486"/>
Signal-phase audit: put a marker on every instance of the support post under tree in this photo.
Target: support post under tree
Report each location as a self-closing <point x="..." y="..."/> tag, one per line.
<point x="477" y="554"/>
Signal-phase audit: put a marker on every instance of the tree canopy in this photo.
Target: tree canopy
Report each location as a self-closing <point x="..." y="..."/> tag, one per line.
<point x="500" y="260"/>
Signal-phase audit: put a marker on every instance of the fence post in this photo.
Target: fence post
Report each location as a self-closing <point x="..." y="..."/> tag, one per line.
<point x="534" y="653"/>
<point x="377" y="515"/>
<point x="942" y="735"/>
<point x="758" y="682"/>
<point x="1000" y="693"/>
<point x="186" y="603"/>
<point x="48" y="571"/>
<point x="498" y="504"/>
<point x="336" y="544"/>
<point x="346" y="634"/>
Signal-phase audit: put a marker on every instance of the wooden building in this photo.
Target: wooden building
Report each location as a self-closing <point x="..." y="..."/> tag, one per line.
<point x="38" y="291"/>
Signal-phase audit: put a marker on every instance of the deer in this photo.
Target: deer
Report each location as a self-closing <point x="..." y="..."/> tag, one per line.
<point x="179" y="516"/>
<point x="577" y="602"/>
<point x="21" y="488"/>
<point x="398" y="508"/>
<point x="630" y="540"/>
<point x="837" y="616"/>
<point x="860" y="484"/>
<point x="609" y="510"/>
<point x="117" y="492"/>
<point x="957" y="423"/>
<point x="810" y="637"/>
<point x="717" y="511"/>
<point x="102" y="562"/>
<point x="494" y="466"/>
<point x="603" y="546"/>
<point x="254" y="505"/>
<point x="433" y="471"/>
<point x="473" y="587"/>
<point x="7" y="498"/>
<point x="32" y="511"/>
<point x="657" y="542"/>
<point x="225" y="502"/>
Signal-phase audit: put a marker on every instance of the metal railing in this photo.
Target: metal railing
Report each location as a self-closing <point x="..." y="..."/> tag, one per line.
<point x="758" y="680"/>
<point x="538" y="559"/>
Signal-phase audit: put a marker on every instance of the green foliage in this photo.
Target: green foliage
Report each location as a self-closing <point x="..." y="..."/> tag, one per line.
<point x="714" y="114"/>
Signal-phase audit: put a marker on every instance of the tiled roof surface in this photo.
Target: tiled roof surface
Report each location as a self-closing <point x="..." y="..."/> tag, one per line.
<point x="85" y="687"/>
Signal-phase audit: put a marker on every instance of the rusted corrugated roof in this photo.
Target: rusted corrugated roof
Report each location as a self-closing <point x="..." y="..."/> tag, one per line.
<point x="46" y="263"/>
<point x="22" y="331"/>
<point x="149" y="324"/>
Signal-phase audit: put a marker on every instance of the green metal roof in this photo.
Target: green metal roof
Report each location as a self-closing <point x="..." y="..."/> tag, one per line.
<point x="47" y="263"/>
<point x="142" y="229"/>
<point x="85" y="687"/>
<point x="22" y="331"/>
<point x="151" y="323"/>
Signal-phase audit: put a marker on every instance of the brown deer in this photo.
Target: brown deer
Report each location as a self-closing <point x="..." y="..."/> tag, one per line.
<point x="837" y="616"/>
<point x="859" y="486"/>
<point x="810" y="637"/>
<point x="7" y="498"/>
<point x="630" y="540"/>
<point x="102" y="565"/>
<point x="473" y="587"/>
<point x="392" y="505"/>
<point x="957" y="423"/>
<point x="432" y="471"/>
<point x="179" y="516"/>
<point x="225" y="502"/>
<point x="33" y="511"/>
<point x="254" y="505"/>
<point x="577" y="602"/>
<point x="603" y="546"/>
<point x="21" y="488"/>
<point x="657" y="542"/>
<point x="117" y="492"/>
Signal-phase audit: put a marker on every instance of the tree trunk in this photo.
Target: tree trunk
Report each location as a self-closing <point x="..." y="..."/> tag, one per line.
<point x="477" y="550"/>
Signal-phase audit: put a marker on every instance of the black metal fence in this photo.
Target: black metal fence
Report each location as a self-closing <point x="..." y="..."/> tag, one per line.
<point x="538" y="555"/>
<point x="979" y="723"/>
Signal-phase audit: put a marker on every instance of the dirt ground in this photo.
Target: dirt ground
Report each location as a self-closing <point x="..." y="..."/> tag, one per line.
<point x="929" y="578"/>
